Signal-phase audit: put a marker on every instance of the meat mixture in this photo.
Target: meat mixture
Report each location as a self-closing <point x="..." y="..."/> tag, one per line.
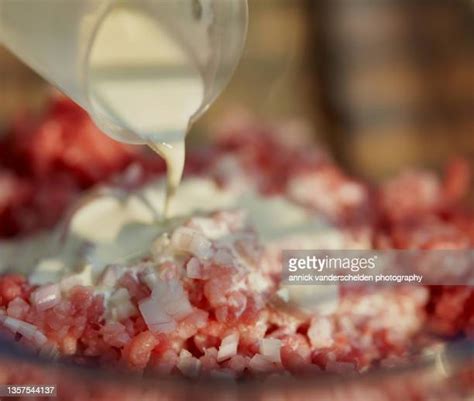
<point x="204" y="297"/>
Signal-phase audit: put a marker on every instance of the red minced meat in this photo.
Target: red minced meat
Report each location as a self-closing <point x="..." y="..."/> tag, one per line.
<point x="53" y="161"/>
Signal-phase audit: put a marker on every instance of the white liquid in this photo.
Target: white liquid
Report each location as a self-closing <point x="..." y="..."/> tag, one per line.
<point x="144" y="88"/>
<point x="124" y="231"/>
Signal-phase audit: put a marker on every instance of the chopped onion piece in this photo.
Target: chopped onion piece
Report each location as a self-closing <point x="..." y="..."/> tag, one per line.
<point x="209" y="227"/>
<point x="171" y="298"/>
<point x="186" y="239"/>
<point x="179" y="309"/>
<point x="320" y="332"/>
<point x="17" y="308"/>
<point x="228" y="347"/>
<point x="111" y="275"/>
<point x="261" y="364"/>
<point x="155" y="318"/>
<point x="194" y="269"/>
<point x="270" y="348"/>
<point x="83" y="278"/>
<point x="188" y="365"/>
<point x="120" y="305"/>
<point x="238" y="301"/>
<point x="119" y="296"/>
<point x="247" y="250"/>
<point x="27" y="330"/>
<point x="46" y="297"/>
<point x="123" y="311"/>
<point x="149" y="277"/>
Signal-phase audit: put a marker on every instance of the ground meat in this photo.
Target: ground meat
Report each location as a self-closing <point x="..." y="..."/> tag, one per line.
<point x="199" y="313"/>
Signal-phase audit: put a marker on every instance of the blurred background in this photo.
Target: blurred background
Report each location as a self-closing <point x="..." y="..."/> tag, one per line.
<point x="385" y="84"/>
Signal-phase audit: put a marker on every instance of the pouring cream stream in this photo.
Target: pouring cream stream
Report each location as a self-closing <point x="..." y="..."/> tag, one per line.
<point x="143" y="69"/>
<point x="143" y="82"/>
